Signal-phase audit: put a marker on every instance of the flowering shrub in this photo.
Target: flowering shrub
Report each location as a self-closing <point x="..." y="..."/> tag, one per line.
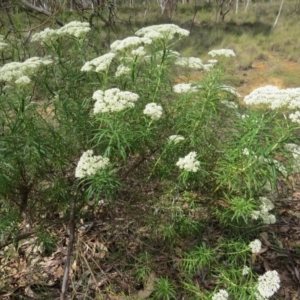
<point x="125" y="105"/>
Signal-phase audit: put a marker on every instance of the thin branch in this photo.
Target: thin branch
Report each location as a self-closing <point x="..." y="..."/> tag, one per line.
<point x="70" y="249"/>
<point x="16" y="239"/>
<point x="278" y="15"/>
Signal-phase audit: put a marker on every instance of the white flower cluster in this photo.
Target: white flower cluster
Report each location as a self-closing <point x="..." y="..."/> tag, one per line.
<point x="189" y="62"/>
<point x="224" y="52"/>
<point x="140" y="52"/>
<point x="184" y="88"/>
<point x="246" y="151"/>
<point x="189" y="162"/>
<point x="122" y="70"/>
<point x="258" y="296"/>
<point x="212" y="61"/>
<point x="162" y="32"/>
<point x="255" y="246"/>
<point x="99" y="64"/>
<point x="113" y="100"/>
<point x="2" y="44"/>
<point x="129" y="42"/>
<point x="175" y="138"/>
<point x="208" y="67"/>
<point x="295" y="117"/>
<point x="74" y="28"/>
<point x="89" y="164"/>
<point x="153" y="110"/>
<point x="18" y="72"/>
<point x="275" y="98"/>
<point x="23" y="80"/>
<point x="221" y="295"/>
<point x="294" y="149"/>
<point x="268" y="284"/>
<point x="265" y="206"/>
<point x="245" y="270"/>
<point x="47" y="35"/>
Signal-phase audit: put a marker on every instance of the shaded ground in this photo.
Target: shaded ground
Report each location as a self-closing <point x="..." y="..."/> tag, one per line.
<point x="110" y="238"/>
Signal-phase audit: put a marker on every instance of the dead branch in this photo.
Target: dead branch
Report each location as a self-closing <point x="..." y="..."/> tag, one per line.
<point x="40" y="10"/>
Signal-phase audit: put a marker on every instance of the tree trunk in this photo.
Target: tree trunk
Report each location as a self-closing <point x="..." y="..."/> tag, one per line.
<point x="247" y="4"/>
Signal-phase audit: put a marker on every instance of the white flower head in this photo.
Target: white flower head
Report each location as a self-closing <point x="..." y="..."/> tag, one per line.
<point x="255" y="246"/>
<point x="245" y="270"/>
<point x="189" y="62"/>
<point x="294" y="150"/>
<point x="208" y="67"/>
<point x="122" y="70"/>
<point x="153" y="110"/>
<point x="267" y="218"/>
<point x="184" y="88"/>
<point x="12" y="71"/>
<point x="245" y="151"/>
<point x="163" y="32"/>
<point x="212" y="61"/>
<point x="189" y="162"/>
<point x="295" y="117"/>
<point x="265" y="206"/>
<point x="175" y="138"/>
<point x="255" y="214"/>
<point x="45" y="36"/>
<point x="268" y="284"/>
<point x="74" y="28"/>
<point x="113" y="100"/>
<point x="140" y="52"/>
<point x="23" y="80"/>
<point x="89" y="164"/>
<point x="276" y="98"/>
<point x="129" y="43"/>
<point x="223" y="52"/>
<point x="221" y="295"/>
<point x="99" y="64"/>
<point x="258" y="296"/>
